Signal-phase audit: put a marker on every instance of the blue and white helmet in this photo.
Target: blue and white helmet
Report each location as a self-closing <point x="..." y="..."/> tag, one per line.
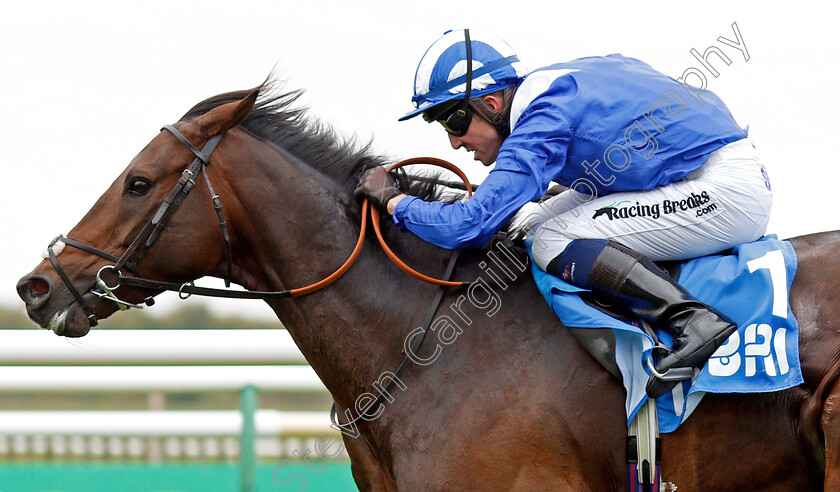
<point x="441" y="74"/>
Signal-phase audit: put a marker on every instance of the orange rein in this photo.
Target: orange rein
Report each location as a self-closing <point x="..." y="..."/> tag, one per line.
<point x="374" y="215"/>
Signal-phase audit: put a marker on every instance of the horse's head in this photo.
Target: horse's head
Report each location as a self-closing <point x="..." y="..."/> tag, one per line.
<point x="63" y="294"/>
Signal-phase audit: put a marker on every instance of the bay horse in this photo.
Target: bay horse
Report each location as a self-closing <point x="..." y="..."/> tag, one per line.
<point x="502" y="397"/>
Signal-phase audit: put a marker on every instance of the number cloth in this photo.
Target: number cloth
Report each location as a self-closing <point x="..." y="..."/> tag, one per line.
<point x="750" y="285"/>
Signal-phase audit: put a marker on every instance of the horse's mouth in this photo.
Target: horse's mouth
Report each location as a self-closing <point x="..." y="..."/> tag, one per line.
<point x="64" y="316"/>
<point x="69" y="322"/>
<point x="56" y="323"/>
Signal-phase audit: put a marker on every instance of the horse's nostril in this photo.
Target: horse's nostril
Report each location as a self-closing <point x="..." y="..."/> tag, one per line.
<point x="34" y="290"/>
<point x="38" y="287"/>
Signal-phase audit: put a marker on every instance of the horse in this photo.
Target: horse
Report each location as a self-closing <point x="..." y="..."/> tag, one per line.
<point x="500" y="395"/>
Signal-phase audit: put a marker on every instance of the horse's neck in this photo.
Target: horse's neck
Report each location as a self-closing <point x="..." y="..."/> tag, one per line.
<point x="301" y="227"/>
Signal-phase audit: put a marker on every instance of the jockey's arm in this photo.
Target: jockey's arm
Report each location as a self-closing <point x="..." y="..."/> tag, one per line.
<point x="529" y="159"/>
<point x="468" y="224"/>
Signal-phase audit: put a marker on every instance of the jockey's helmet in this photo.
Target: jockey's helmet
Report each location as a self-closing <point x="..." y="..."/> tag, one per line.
<point x="442" y="73"/>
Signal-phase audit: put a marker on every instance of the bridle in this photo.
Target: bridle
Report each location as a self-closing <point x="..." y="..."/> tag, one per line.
<point x="152" y="230"/>
<point x="147" y="236"/>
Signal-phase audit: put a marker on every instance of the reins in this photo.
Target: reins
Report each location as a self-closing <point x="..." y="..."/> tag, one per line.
<point x="152" y="230"/>
<point x="155" y="226"/>
<point x="374" y="215"/>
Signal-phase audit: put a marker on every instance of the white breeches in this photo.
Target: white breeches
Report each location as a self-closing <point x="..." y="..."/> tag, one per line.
<point x="724" y="203"/>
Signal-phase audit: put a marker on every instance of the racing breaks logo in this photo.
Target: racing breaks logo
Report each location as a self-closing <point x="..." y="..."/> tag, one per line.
<point x="699" y="203"/>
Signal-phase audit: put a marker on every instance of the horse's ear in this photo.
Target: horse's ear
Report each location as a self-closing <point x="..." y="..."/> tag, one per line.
<point x="227" y="116"/>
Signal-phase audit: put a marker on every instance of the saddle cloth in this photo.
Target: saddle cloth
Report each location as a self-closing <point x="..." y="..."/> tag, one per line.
<point x="750" y="284"/>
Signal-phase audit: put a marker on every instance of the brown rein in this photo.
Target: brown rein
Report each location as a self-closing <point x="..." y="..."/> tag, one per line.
<point x="186" y="289"/>
<point x="374" y="215"/>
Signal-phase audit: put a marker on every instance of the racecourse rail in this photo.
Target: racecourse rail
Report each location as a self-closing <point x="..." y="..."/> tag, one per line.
<point x="120" y="361"/>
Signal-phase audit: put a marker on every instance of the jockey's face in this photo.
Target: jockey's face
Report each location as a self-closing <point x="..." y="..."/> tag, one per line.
<point x="482" y="138"/>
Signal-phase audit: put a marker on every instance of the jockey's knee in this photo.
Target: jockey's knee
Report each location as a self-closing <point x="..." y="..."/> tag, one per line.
<point x="547" y="244"/>
<point x="574" y="263"/>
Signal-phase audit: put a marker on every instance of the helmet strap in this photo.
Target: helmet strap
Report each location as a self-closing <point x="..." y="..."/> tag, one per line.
<point x="468" y="45"/>
<point x="499" y="119"/>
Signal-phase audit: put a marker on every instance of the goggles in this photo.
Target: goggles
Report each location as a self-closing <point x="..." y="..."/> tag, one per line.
<point x="456" y="121"/>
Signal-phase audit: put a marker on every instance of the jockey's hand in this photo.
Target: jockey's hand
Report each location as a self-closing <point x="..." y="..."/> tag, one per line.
<point x="378" y="186"/>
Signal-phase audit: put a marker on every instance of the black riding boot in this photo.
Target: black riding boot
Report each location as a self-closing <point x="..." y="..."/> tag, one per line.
<point x="643" y="288"/>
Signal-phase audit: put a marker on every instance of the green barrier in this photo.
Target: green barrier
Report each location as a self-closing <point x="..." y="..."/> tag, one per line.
<point x="247" y="451"/>
<point x="87" y="477"/>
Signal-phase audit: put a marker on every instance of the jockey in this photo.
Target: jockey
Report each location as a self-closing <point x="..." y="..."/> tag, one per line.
<point x="655" y="170"/>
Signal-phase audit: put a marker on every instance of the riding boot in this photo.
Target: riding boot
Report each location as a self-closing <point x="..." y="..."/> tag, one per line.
<point x="639" y="285"/>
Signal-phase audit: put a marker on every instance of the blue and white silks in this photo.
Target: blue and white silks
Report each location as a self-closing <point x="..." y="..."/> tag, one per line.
<point x="750" y="285"/>
<point x="566" y="120"/>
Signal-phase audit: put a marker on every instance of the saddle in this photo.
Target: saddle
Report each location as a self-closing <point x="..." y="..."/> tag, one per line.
<point x="600" y="343"/>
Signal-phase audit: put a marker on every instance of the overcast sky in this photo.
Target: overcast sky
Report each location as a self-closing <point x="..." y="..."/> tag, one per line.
<point x="85" y="85"/>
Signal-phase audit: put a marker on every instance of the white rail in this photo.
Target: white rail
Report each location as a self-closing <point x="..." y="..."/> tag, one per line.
<point x="23" y="379"/>
<point x="148" y="423"/>
<point x="115" y="361"/>
<point x="149" y="347"/>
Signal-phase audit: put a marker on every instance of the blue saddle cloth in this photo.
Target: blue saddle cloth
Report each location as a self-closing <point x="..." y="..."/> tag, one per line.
<point x="750" y="285"/>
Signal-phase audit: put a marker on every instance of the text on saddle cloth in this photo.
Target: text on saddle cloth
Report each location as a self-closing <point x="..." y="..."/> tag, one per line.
<point x="750" y="285"/>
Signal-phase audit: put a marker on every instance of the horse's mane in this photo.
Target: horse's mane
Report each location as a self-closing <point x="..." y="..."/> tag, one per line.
<point x="277" y="120"/>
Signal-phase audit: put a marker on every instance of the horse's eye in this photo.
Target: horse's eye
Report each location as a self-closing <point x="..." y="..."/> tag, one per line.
<point x="138" y="186"/>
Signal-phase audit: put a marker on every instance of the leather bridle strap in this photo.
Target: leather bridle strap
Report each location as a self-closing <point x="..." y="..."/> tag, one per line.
<point x="66" y="278"/>
<point x="69" y="283"/>
<point x="86" y="248"/>
<point x="185" y="290"/>
<point x="204" y="157"/>
<point x="186" y="183"/>
<point x="217" y="206"/>
<point x="152" y="230"/>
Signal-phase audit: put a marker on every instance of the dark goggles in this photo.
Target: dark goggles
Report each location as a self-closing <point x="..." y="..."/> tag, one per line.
<point x="455" y="120"/>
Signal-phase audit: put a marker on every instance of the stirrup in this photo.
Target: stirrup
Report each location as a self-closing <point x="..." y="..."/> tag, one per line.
<point x="661" y="383"/>
<point x="672" y="374"/>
